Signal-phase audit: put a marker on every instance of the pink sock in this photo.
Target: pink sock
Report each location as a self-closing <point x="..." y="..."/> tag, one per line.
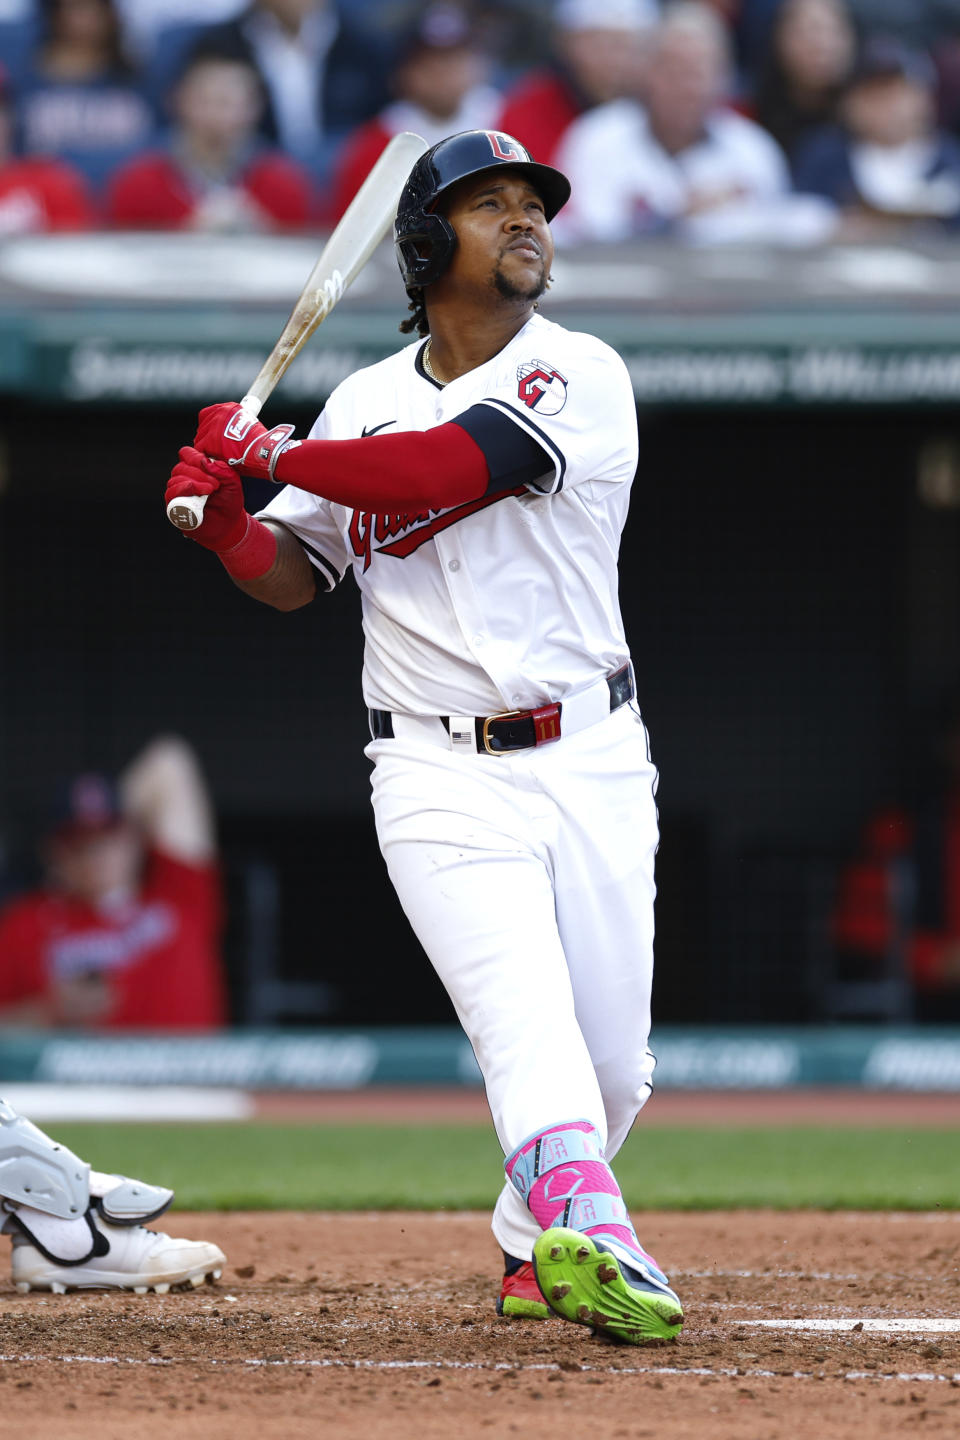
<point x="564" y="1179"/>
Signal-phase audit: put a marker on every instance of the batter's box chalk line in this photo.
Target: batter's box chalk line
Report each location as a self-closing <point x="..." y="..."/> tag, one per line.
<point x="678" y="1371"/>
<point x="875" y="1326"/>
<point x="845" y="1275"/>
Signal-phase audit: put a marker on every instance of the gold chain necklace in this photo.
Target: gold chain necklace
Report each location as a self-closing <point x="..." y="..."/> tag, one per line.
<point x="425" y="362"/>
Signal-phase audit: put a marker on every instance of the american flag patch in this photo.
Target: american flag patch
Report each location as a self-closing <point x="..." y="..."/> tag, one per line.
<point x="463" y="733"/>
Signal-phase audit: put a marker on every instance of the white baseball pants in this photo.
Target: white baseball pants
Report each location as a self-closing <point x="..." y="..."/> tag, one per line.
<point x="529" y="882"/>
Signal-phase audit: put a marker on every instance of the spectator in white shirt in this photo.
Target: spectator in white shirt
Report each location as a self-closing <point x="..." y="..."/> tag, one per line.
<point x="683" y="163"/>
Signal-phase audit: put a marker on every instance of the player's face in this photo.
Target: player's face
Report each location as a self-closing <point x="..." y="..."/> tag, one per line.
<point x="503" y="239"/>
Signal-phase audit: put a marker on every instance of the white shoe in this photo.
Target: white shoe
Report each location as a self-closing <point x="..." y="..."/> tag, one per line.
<point x="137" y="1259"/>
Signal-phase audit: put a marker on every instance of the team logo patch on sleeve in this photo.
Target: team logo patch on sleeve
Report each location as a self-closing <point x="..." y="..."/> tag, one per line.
<point x="541" y="387"/>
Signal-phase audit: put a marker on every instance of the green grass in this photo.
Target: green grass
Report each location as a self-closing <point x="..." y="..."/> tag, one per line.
<point x="304" y="1167"/>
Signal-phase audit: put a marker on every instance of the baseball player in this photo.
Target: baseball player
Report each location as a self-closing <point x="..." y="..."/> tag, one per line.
<point x="74" y="1228"/>
<point x="477" y="484"/>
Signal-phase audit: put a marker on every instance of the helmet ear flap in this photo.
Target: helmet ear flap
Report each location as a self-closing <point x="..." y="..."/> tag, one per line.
<point x="425" y="251"/>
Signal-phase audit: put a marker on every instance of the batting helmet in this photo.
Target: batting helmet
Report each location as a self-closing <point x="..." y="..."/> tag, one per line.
<point x="424" y="238"/>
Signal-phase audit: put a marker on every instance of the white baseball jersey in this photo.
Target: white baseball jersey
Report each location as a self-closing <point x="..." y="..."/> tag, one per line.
<point x="505" y="602"/>
<point x="626" y="184"/>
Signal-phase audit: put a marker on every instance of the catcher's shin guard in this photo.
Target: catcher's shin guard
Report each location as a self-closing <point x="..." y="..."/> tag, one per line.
<point x="107" y="1247"/>
<point x="73" y="1227"/>
<point x="36" y="1171"/>
<point x="113" y="1199"/>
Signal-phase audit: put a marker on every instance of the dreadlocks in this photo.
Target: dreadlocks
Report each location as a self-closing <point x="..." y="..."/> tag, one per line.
<point x="418" y="320"/>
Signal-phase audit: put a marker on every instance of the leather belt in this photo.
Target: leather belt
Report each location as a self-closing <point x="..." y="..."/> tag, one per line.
<point x="515" y="729"/>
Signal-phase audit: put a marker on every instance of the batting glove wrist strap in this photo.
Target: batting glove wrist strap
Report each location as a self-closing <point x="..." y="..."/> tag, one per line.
<point x="228" y="432"/>
<point x="259" y="459"/>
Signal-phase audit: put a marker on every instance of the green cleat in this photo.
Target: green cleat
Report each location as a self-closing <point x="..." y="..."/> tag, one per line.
<point x="584" y="1282"/>
<point x="520" y="1295"/>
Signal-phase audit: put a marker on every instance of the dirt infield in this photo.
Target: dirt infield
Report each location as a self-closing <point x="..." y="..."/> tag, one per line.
<point x="382" y="1325"/>
<point x="416" y="1105"/>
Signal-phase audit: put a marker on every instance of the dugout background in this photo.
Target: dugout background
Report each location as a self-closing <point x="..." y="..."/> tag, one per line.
<point x="792" y="603"/>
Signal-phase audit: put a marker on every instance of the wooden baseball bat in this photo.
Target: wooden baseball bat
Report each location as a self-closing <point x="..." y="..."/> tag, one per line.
<point x="363" y="225"/>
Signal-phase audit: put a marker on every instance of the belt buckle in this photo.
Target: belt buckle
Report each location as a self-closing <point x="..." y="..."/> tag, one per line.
<point x="546" y="726"/>
<point x="488" y="720"/>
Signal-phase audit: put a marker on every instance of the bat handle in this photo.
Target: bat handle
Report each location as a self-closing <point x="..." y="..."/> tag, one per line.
<point x="186" y="512"/>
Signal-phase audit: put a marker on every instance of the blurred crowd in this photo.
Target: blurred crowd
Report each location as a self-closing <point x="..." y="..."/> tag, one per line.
<point x="783" y="121"/>
<point x="122" y="927"/>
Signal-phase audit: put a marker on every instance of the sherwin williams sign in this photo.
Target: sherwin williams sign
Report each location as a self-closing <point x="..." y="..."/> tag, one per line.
<point x="687" y="1059"/>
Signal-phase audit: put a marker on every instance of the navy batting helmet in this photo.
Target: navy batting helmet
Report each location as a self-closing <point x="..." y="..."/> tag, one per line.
<point x="425" y="239"/>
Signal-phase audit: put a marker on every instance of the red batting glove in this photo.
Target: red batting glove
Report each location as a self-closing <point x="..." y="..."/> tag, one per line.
<point x="227" y="432"/>
<point x="247" y="548"/>
<point x="225" y="516"/>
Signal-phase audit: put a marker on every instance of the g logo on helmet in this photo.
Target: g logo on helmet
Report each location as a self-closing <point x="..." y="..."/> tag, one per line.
<point x="541" y="387"/>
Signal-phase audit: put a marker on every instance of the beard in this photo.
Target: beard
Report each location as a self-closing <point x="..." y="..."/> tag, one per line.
<point x="510" y="290"/>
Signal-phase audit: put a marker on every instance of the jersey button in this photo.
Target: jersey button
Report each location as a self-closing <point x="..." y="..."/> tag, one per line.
<point x="454" y="565"/>
<point x="478" y="639"/>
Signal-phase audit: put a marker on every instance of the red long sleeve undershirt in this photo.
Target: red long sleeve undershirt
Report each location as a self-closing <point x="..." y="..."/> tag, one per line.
<point x="415" y="469"/>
